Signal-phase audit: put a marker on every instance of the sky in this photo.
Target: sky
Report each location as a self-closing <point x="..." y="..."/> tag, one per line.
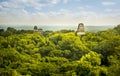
<point x="60" y="12"/>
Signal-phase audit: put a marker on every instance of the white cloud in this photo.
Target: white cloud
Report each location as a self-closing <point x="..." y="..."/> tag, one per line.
<point x="65" y="1"/>
<point x="85" y="7"/>
<point x="112" y="10"/>
<point x="81" y="8"/>
<point x="108" y="3"/>
<point x="15" y="7"/>
<point x="14" y="12"/>
<point x="27" y="3"/>
<point x="109" y="10"/>
<point x="49" y="1"/>
<point x="61" y="17"/>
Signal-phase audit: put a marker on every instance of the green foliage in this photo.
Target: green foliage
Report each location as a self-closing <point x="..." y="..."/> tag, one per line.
<point x="59" y="53"/>
<point x="89" y="65"/>
<point x="92" y="57"/>
<point x="117" y="28"/>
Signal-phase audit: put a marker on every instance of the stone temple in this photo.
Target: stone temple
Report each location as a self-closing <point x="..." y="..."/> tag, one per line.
<point x="36" y="29"/>
<point x="80" y="29"/>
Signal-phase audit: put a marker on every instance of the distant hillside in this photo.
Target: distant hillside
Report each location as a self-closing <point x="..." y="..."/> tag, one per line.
<point x="97" y="28"/>
<point x="56" y="28"/>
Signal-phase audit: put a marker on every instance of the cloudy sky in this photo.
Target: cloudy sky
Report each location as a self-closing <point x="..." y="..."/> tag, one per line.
<point x="60" y="12"/>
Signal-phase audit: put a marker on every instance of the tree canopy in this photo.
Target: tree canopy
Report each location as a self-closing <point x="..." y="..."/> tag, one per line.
<point x="59" y="53"/>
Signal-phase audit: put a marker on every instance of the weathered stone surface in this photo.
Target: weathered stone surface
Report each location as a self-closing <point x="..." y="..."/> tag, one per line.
<point x="80" y="29"/>
<point x="35" y="28"/>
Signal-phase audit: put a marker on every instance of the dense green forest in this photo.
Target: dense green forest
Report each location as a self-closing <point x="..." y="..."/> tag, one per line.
<point x="59" y="53"/>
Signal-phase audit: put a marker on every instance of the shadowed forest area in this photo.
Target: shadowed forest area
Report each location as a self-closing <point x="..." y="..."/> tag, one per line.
<point x="59" y="53"/>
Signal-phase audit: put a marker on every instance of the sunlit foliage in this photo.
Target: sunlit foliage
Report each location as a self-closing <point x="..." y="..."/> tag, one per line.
<point x="60" y="53"/>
